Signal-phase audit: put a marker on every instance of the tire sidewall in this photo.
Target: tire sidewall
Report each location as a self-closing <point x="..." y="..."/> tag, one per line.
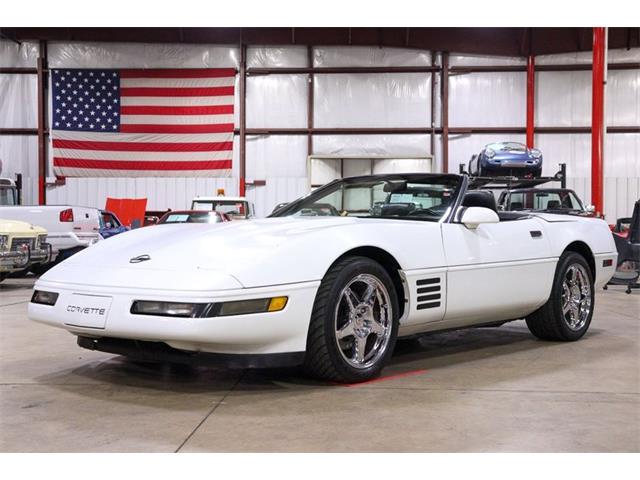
<point x="357" y="266"/>
<point x="566" y="260"/>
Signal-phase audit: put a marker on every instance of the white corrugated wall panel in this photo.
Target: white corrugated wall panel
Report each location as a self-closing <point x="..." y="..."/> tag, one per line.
<point x="563" y="99"/>
<point x="487" y="99"/>
<point x="623" y="97"/>
<point x="380" y="100"/>
<point x="277" y="101"/>
<point x="281" y="160"/>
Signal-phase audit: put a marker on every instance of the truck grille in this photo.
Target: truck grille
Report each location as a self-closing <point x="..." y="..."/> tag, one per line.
<point x="17" y="243"/>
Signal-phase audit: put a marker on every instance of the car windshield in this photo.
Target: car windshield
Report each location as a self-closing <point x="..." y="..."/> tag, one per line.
<point x="411" y="197"/>
<point x="545" y="200"/>
<point x="233" y="208"/>
<point x="107" y="220"/>
<point x="507" y="146"/>
<point x="195" y="217"/>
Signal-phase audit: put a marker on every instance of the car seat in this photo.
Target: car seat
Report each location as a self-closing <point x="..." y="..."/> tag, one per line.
<point x="628" y="267"/>
<point x="480" y="198"/>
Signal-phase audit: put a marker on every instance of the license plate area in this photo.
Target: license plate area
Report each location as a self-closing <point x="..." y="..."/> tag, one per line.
<point x="88" y="311"/>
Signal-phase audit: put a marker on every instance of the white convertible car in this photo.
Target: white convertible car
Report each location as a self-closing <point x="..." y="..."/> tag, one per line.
<point x="331" y="280"/>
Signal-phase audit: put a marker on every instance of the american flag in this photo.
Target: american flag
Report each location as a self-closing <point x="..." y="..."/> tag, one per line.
<point x="142" y="122"/>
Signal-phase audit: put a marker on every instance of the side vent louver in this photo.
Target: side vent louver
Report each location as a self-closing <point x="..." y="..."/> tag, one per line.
<point x="428" y="293"/>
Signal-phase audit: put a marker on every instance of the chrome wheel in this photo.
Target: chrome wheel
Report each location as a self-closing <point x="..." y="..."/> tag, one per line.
<point x="363" y="321"/>
<point x="576" y="297"/>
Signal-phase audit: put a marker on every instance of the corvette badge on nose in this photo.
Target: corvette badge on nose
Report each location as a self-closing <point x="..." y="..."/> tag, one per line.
<point x="140" y="259"/>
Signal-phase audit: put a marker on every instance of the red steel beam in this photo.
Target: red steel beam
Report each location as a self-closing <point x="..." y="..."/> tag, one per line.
<point x="531" y="88"/>
<point x="444" y="78"/>
<point x="597" y="118"/>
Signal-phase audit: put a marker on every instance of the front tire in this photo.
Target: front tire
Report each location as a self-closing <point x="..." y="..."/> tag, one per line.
<point x="567" y="314"/>
<point x="354" y="322"/>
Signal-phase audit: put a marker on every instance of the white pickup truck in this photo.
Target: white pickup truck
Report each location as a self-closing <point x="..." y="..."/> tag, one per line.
<point x="69" y="228"/>
<point x="238" y="208"/>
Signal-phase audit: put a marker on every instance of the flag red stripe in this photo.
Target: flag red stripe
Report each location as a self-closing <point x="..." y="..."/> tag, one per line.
<point x="147" y="165"/>
<point x="177" y="73"/>
<point x="176" y="92"/>
<point x="142" y="146"/>
<point x="156" y="110"/>
<point x="141" y="128"/>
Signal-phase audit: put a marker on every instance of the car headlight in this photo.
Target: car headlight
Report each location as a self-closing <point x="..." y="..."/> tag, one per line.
<point x="535" y="153"/>
<point x="489" y="153"/>
<point x="44" y="298"/>
<point x="170" y="309"/>
<point x="4" y="243"/>
<point x="208" y="310"/>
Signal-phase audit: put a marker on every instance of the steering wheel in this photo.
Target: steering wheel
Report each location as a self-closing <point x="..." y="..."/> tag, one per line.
<point x="319" y="210"/>
<point x="424" y="211"/>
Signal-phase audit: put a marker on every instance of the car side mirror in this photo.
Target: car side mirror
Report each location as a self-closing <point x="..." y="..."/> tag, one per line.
<point x="590" y="208"/>
<point x="474" y="216"/>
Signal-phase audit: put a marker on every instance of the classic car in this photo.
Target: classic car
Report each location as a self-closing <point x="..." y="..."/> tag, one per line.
<point x="22" y="245"/>
<point x="110" y="224"/>
<point x="193" y="216"/>
<point x="402" y="255"/>
<point x="551" y="200"/>
<point x="506" y="158"/>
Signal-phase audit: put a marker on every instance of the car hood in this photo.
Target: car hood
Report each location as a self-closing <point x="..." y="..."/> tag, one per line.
<point x="200" y="256"/>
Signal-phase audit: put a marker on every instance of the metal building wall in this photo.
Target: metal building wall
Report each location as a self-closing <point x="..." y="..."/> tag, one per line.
<point x="345" y="100"/>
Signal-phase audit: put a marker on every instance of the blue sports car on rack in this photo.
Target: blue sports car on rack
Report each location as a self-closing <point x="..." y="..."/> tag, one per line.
<point x="506" y="158"/>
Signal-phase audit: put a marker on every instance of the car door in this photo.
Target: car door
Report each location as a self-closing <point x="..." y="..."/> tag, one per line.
<point x="497" y="271"/>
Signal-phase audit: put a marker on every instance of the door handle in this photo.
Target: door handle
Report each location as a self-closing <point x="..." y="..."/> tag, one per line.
<point x="535" y="233"/>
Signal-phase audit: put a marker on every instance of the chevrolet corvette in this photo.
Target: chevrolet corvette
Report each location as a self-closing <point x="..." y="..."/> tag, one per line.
<point x="331" y="280"/>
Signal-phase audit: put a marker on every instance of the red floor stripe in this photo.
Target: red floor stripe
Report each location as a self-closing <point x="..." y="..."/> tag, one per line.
<point x="383" y="379"/>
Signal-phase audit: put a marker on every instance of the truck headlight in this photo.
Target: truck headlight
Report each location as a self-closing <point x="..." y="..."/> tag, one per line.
<point x="4" y="243"/>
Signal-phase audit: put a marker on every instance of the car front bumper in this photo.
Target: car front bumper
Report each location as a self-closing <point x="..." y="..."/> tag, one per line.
<point x="510" y="168"/>
<point x="260" y="333"/>
<point x="19" y="260"/>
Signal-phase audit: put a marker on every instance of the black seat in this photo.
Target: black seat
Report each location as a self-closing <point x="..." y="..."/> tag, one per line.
<point x="553" y="204"/>
<point x="516" y="205"/>
<point x="480" y="199"/>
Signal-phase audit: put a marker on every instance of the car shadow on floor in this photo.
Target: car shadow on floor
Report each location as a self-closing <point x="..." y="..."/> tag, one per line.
<point x="431" y="353"/>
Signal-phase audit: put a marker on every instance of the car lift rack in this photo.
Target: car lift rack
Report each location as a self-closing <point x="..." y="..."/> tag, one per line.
<point x="509" y="182"/>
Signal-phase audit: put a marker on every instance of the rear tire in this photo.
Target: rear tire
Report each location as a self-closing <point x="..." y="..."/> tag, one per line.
<point x="354" y="322"/>
<point x="567" y="314"/>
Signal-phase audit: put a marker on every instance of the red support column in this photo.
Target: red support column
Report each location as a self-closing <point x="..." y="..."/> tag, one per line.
<point x="597" y="118"/>
<point x="531" y="82"/>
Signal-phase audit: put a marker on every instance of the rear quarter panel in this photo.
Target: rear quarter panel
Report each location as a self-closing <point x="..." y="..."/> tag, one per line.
<point x="563" y="230"/>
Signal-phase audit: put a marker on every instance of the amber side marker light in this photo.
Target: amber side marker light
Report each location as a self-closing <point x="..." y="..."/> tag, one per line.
<point x="277" y="303"/>
<point x="245" y="307"/>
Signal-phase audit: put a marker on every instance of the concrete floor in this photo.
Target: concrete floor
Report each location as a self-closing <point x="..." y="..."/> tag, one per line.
<point x="495" y="389"/>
